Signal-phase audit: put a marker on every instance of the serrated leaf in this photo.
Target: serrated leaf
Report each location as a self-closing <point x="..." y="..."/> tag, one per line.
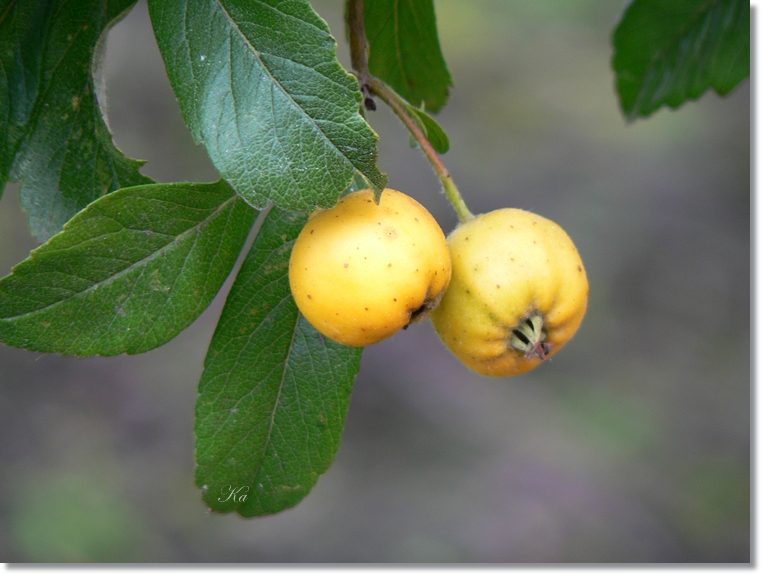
<point x="434" y="133"/>
<point x="274" y="393"/>
<point x="670" y="51"/>
<point x="405" y="52"/>
<point x="53" y="138"/>
<point x="128" y="273"/>
<point x="259" y="85"/>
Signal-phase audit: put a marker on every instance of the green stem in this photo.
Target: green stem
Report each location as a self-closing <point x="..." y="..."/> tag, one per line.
<point x="358" y="48"/>
<point x="394" y="101"/>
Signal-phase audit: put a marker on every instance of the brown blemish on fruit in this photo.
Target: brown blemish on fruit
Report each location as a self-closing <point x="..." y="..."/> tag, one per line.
<point x="346" y="265"/>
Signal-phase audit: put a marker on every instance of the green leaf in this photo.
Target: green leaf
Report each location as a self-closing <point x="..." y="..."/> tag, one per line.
<point x="53" y="138"/>
<point x="128" y="273"/>
<point x="670" y="51"/>
<point x="259" y="85"/>
<point x="405" y="52"/>
<point x="274" y="393"/>
<point x="434" y="133"/>
<point x="358" y="183"/>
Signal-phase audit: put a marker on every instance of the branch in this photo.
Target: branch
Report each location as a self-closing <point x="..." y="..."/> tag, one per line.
<point x="369" y="85"/>
<point x="359" y="48"/>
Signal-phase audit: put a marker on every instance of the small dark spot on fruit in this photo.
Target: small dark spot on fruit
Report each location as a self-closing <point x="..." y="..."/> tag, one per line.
<point x="579" y="268"/>
<point x="395" y="299"/>
<point x="416" y="219"/>
<point x="309" y="296"/>
<point x="312" y="231"/>
<point x="346" y="265"/>
<point x="498" y="286"/>
<point x="366" y="309"/>
<point x="388" y="265"/>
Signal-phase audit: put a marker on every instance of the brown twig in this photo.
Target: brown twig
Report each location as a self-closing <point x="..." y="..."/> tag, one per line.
<point x="359" y="49"/>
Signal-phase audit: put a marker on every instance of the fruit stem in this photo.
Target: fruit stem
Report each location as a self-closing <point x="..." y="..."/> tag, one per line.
<point x="394" y="101"/>
<point x="369" y="86"/>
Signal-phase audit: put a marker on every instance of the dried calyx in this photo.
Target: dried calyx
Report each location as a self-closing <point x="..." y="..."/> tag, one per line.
<point x="529" y="338"/>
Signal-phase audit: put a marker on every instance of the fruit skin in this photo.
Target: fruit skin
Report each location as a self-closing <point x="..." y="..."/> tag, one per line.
<point x="361" y="271"/>
<point x="509" y="265"/>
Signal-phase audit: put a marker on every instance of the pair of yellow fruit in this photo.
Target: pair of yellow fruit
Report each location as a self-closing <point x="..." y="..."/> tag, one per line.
<point x="505" y="291"/>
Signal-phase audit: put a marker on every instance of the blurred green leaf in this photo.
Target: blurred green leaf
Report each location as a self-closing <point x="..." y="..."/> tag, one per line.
<point x="53" y="137"/>
<point x="405" y="52"/>
<point x="78" y="516"/>
<point x="670" y="51"/>
<point x="128" y="273"/>
<point x="260" y="86"/>
<point x="274" y="393"/>
<point x="431" y="129"/>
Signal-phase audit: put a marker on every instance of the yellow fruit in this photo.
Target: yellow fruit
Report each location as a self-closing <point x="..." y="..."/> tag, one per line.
<point x="518" y="292"/>
<point x="361" y="271"/>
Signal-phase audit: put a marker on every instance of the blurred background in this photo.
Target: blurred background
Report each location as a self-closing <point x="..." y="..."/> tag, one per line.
<point x="632" y="445"/>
